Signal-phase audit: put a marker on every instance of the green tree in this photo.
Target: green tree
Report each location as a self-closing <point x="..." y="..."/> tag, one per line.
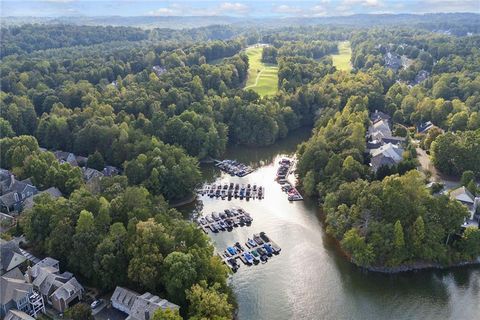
<point x="96" y="161"/>
<point x="166" y="314"/>
<point x="111" y="259"/>
<point x="399" y="236"/>
<point x="85" y="241"/>
<point x="208" y="303"/>
<point x="80" y="311"/>
<point x="362" y="254"/>
<point x="179" y="274"/>
<point x="418" y="235"/>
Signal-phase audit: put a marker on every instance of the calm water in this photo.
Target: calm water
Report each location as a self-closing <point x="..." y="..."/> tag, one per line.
<point x="310" y="279"/>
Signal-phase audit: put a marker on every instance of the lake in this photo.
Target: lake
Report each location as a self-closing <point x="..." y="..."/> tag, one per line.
<point x="310" y="279"/>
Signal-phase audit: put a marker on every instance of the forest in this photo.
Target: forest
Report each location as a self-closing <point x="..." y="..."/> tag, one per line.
<point x="156" y="102"/>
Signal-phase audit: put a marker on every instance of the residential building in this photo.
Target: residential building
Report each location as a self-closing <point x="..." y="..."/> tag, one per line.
<point x="14" y="192"/>
<point x="110" y="171"/>
<point x="424" y="127"/>
<point x="90" y="174"/>
<point x="11" y="256"/>
<point x="387" y="155"/>
<point x="18" y="315"/>
<point x="379" y="115"/>
<point x="138" y="307"/>
<point x="463" y="195"/>
<point x="59" y="290"/>
<point x="52" y="191"/>
<point x="17" y="294"/>
<point x="64" y="156"/>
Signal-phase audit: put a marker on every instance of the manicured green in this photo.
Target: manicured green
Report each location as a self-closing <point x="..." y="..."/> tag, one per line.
<point x="262" y="77"/>
<point x="341" y="61"/>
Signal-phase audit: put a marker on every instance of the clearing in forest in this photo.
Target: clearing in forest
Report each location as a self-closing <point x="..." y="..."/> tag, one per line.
<point x="262" y="77"/>
<point x="341" y="61"/>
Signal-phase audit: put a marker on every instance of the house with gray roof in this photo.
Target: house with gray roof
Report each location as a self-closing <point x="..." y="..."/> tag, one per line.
<point x="17" y="294"/>
<point x="14" y="314"/>
<point x="387" y="155"/>
<point x="59" y="290"/>
<point x="11" y="256"/>
<point x="138" y="307"/>
<point x="54" y="192"/>
<point x="66" y="157"/>
<point x="13" y="192"/>
<point x="464" y="196"/>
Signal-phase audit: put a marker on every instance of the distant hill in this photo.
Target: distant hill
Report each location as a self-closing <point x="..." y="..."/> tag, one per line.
<point x="433" y="21"/>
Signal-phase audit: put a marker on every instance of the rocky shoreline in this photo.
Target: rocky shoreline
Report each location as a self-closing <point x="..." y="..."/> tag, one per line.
<point x="420" y="266"/>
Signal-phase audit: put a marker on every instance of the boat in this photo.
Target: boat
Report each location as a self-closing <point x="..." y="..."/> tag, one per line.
<point x="221" y="225"/>
<point x="251" y="243"/>
<point x="264" y="237"/>
<point x="268" y="248"/>
<point x="257" y="239"/>
<point x="256" y="256"/>
<point x="239" y="246"/>
<point x="213" y="228"/>
<point x="248" y="257"/>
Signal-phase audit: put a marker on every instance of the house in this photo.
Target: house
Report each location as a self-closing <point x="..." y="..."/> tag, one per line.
<point x="424" y="127"/>
<point x="110" y="171"/>
<point x="18" y="295"/>
<point x="13" y="192"/>
<point x="59" y="290"/>
<point x="138" y="307"/>
<point x="66" y="157"/>
<point x="392" y="61"/>
<point x="6" y="221"/>
<point x="81" y="161"/>
<point x="18" y="315"/>
<point x="11" y="256"/>
<point x="90" y="174"/>
<point x="159" y="70"/>
<point x="463" y="195"/>
<point x="421" y="76"/>
<point x="379" y="115"/>
<point x="380" y="129"/>
<point x="387" y="155"/>
<point x="54" y="193"/>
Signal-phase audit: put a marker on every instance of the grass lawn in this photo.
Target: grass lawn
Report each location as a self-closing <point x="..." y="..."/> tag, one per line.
<point x="341" y="61"/>
<point x="262" y="77"/>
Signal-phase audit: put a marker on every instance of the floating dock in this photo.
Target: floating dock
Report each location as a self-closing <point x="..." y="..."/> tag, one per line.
<point x="258" y="249"/>
<point x="283" y="172"/>
<point x="233" y="167"/>
<point x="224" y="221"/>
<point x="231" y="190"/>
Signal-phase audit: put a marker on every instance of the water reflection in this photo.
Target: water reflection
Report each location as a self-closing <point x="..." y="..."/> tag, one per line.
<point x="310" y="279"/>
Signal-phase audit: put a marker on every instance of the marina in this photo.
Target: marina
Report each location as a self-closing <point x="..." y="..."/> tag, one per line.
<point x="258" y="249"/>
<point x="224" y="221"/>
<point x="233" y="190"/>
<point x="233" y="167"/>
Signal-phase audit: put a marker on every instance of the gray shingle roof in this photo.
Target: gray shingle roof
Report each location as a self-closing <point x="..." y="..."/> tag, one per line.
<point x="10" y="256"/>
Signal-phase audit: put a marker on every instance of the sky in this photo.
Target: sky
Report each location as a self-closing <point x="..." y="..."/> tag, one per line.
<point x="236" y="8"/>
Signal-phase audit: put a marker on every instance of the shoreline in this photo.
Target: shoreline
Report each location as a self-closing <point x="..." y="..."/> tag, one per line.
<point x="184" y="201"/>
<point x="419" y="267"/>
<point x="404" y="268"/>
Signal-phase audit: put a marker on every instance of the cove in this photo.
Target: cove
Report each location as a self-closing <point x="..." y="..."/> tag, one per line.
<point x="311" y="279"/>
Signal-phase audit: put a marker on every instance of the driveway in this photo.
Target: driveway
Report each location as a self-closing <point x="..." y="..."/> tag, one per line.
<point x="110" y="313"/>
<point x="426" y="165"/>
